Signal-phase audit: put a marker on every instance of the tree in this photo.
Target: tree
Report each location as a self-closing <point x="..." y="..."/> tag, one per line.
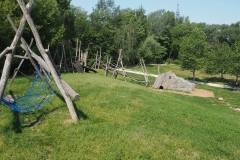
<point x="151" y="51"/>
<point x="102" y="22"/>
<point x="46" y="16"/>
<point x="235" y="60"/>
<point x="212" y="35"/>
<point x="192" y="51"/>
<point x="162" y="22"/>
<point x="219" y="60"/>
<point x="6" y="31"/>
<point x="131" y="32"/>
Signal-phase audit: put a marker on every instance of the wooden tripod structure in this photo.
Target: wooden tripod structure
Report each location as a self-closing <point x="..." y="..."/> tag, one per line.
<point x="9" y="52"/>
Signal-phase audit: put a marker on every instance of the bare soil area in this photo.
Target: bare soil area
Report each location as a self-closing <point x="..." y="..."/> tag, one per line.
<point x="195" y="92"/>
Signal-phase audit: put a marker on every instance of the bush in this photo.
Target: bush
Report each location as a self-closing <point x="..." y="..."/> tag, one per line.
<point x="169" y="61"/>
<point x="177" y="61"/>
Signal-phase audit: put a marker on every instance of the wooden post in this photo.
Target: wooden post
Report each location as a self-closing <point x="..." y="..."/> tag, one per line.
<point x="8" y="61"/>
<point x="52" y="61"/>
<point x="47" y="60"/>
<point x="80" y="57"/>
<point x="144" y="70"/>
<point x="106" y="67"/>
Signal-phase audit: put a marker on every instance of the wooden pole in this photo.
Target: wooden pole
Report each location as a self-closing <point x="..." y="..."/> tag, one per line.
<point x="5" y="51"/>
<point x="76" y="51"/>
<point x="21" y="57"/>
<point x="9" y="58"/>
<point x="100" y="56"/>
<point x="47" y="60"/>
<point x="52" y="61"/>
<point x="144" y="70"/>
<point x="106" y="67"/>
<point x="96" y="62"/>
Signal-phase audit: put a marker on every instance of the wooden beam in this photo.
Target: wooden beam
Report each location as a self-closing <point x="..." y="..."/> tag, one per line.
<point x="47" y="60"/>
<point x="21" y="57"/>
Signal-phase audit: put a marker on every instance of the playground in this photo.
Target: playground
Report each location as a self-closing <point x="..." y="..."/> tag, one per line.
<point x="107" y="110"/>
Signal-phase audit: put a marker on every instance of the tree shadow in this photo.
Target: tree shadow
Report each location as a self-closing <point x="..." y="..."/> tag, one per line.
<point x="219" y="79"/>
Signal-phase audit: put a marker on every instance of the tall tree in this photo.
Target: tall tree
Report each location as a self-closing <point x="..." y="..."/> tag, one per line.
<point x="218" y="60"/>
<point x="151" y="51"/>
<point x="131" y="32"/>
<point x="235" y="60"/>
<point x="178" y="33"/>
<point x="162" y="22"/>
<point x="47" y="19"/>
<point x="102" y="21"/>
<point x="192" y="50"/>
<point x="212" y="35"/>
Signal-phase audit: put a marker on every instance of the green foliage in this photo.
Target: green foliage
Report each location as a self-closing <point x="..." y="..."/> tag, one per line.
<point x="7" y="33"/>
<point x="151" y="51"/>
<point x="235" y="60"/>
<point x="213" y="33"/>
<point x="46" y="17"/>
<point x="192" y="50"/>
<point x="131" y="33"/>
<point x="162" y="22"/>
<point x="222" y="55"/>
<point x="177" y="34"/>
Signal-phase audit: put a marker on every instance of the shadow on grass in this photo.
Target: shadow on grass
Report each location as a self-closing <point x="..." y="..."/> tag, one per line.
<point x="16" y="123"/>
<point x="219" y="79"/>
<point x="225" y="81"/>
<point x="79" y="113"/>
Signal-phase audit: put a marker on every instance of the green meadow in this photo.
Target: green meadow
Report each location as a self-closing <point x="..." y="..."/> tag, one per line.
<point x="123" y="120"/>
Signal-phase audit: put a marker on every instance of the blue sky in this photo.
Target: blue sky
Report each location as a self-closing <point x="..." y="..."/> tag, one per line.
<point x="209" y="11"/>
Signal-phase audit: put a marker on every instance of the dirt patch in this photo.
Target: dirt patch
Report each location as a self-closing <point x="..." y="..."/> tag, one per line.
<point x="68" y="121"/>
<point x="195" y="92"/>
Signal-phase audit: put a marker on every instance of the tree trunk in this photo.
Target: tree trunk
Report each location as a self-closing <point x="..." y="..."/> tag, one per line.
<point x="194" y="70"/>
<point x="222" y="75"/>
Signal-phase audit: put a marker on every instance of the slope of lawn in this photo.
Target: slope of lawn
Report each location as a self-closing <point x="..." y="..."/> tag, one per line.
<point x="122" y="120"/>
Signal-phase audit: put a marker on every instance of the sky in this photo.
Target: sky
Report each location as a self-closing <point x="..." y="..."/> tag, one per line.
<point x="208" y="11"/>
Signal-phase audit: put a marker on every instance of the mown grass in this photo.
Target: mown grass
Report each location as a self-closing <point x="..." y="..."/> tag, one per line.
<point x="122" y="120"/>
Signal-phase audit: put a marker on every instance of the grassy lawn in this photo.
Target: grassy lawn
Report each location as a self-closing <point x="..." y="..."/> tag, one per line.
<point x="122" y="120"/>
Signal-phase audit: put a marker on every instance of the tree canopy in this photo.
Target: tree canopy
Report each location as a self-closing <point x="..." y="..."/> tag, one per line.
<point x="156" y="37"/>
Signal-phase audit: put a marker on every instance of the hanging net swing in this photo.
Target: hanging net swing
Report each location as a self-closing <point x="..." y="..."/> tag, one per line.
<point x="42" y="91"/>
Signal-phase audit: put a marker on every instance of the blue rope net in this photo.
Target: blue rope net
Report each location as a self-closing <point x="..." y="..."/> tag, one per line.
<point x="36" y="97"/>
